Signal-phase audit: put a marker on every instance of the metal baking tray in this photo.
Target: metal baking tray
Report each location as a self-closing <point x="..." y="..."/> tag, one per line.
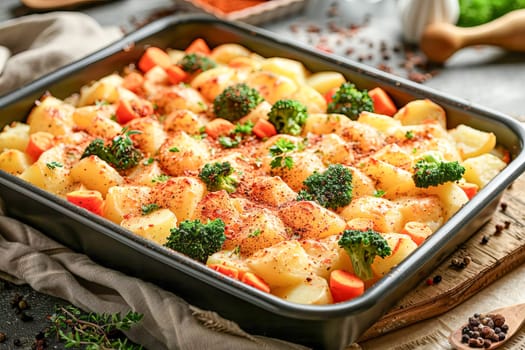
<point x="322" y="326"/>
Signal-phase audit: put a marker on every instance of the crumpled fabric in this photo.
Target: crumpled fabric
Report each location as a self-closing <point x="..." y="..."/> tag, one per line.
<point x="34" y="45"/>
<point x="28" y="256"/>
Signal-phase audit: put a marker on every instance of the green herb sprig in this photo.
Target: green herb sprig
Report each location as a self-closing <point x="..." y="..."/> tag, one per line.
<point x="280" y="154"/>
<point x="92" y="331"/>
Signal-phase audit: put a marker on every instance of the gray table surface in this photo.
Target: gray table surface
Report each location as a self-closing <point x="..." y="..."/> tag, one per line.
<point x="486" y="76"/>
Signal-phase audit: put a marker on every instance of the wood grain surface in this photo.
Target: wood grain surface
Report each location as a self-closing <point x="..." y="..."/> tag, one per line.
<point x="497" y="248"/>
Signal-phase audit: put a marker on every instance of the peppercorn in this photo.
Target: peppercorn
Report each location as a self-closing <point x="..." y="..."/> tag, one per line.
<point x="22" y="304"/>
<point x="482" y="330"/>
<point x="430" y="281"/>
<point x="17" y="342"/>
<point x="485" y="239"/>
<point x="3" y="337"/>
<point x="437" y="279"/>
<point x="25" y="317"/>
<point x="499" y="320"/>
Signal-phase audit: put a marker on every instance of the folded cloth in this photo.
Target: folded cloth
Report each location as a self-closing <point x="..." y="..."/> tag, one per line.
<point x="34" y="45"/>
<point x="28" y="256"/>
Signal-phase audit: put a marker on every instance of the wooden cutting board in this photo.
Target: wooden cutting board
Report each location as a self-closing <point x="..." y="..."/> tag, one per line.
<point x="489" y="260"/>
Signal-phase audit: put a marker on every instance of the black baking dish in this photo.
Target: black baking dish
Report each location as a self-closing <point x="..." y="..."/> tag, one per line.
<point x="327" y="326"/>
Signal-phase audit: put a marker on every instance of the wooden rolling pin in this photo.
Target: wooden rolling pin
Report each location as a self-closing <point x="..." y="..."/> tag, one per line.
<point x="441" y="40"/>
<point x="51" y="4"/>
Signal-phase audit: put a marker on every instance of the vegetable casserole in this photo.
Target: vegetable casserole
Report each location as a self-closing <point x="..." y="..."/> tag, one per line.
<point x="297" y="183"/>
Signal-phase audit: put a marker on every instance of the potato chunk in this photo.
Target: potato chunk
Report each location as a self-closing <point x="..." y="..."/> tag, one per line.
<point x="472" y="142"/>
<point x="483" y="168"/>
<point x="312" y="291"/>
<point x="421" y="111"/>
<point x="181" y="195"/>
<point x="14" y="136"/>
<point x="310" y="220"/>
<point x="96" y="174"/>
<point x="154" y="226"/>
<point x="283" y="264"/>
<point x="384" y="213"/>
<point x="51" y="115"/>
<point x="14" y="161"/>
<point x="325" y="81"/>
<point x="125" y="201"/>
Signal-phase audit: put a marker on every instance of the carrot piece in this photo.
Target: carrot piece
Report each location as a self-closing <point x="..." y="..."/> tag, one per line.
<point x="198" y="46"/>
<point x="255" y="281"/>
<point x="132" y="109"/>
<point x="418" y="231"/>
<point x="133" y="81"/>
<point x="153" y="56"/>
<point x="329" y="95"/>
<point x="345" y="285"/>
<point x="87" y="199"/>
<point x="218" y="127"/>
<point x="263" y="128"/>
<point x="470" y="189"/>
<point x="229" y="271"/>
<point x="383" y="104"/>
<point x="176" y="74"/>
<point x="39" y="142"/>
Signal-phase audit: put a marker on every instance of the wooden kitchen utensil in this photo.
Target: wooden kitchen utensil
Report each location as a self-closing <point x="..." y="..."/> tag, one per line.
<point x="441" y="40"/>
<point x="514" y="318"/>
<point x="51" y="4"/>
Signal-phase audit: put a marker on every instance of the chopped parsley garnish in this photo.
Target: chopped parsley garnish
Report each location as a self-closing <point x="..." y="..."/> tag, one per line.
<point x="149" y="208"/>
<point x="279" y="152"/>
<point x="160" y="178"/>
<point x="53" y="165"/>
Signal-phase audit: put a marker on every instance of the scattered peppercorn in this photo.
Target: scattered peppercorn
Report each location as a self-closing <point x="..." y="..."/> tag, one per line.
<point x="40" y="342"/>
<point x="507" y="224"/>
<point x="503" y="206"/>
<point x="430" y="281"/>
<point x="485" y="239"/>
<point x="499" y="229"/>
<point x="25" y="317"/>
<point x="483" y="330"/>
<point x="17" y="342"/>
<point x="460" y="262"/>
<point x="437" y="279"/>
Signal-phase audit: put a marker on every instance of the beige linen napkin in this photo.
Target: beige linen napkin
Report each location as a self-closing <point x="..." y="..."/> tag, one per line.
<point x="34" y="45"/>
<point x="28" y="256"/>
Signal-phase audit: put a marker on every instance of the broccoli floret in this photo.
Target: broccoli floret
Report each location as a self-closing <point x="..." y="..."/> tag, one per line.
<point x="350" y="101"/>
<point x="432" y="171"/>
<point x="288" y="116"/>
<point x="236" y="101"/>
<point x="217" y="176"/>
<point x="193" y="62"/>
<point x="121" y="153"/>
<point x="196" y="239"/>
<point x="362" y="247"/>
<point x="332" y="188"/>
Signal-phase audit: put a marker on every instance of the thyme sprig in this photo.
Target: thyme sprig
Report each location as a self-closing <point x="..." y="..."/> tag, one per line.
<point x="92" y="331"/>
